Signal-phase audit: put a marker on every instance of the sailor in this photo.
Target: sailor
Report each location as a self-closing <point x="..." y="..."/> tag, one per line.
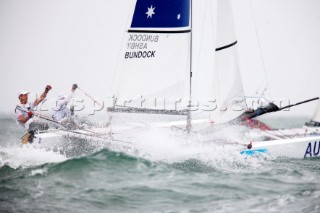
<point x="24" y="114"/>
<point x="62" y="113"/>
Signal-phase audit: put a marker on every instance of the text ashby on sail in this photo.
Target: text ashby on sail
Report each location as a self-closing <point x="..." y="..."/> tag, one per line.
<point x="139" y="43"/>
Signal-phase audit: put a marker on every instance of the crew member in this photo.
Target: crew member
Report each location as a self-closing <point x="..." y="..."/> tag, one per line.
<point x="24" y="114"/>
<point x="62" y="113"/>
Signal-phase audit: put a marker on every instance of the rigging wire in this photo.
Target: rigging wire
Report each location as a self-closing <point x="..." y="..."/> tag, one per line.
<point x="213" y="23"/>
<point x="260" y="51"/>
<point x="288" y="48"/>
<point x="247" y="129"/>
<point x="285" y="53"/>
<point x="93" y="32"/>
<point x="311" y="73"/>
<point x="266" y="83"/>
<point x="295" y="37"/>
<point x="201" y="42"/>
<point x="217" y="73"/>
<point x="114" y="74"/>
<point x="236" y="58"/>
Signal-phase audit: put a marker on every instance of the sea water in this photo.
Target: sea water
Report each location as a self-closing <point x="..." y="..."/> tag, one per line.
<point x="160" y="172"/>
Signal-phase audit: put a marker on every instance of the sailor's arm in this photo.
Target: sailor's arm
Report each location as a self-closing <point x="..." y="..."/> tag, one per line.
<point x="43" y="95"/>
<point x="68" y="98"/>
<point x="23" y="119"/>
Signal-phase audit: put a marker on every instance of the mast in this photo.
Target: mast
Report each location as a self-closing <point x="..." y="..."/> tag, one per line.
<point x="190" y="81"/>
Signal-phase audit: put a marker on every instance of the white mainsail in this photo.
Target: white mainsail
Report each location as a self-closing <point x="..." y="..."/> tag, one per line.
<point x="156" y="54"/>
<point x="165" y="47"/>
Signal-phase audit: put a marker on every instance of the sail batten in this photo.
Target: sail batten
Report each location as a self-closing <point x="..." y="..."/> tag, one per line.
<point x="226" y="46"/>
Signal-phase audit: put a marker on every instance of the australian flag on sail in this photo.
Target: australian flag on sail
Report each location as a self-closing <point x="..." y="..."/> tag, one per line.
<point x="161" y="14"/>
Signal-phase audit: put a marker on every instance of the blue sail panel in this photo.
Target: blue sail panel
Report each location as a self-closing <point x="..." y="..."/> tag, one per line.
<point x="161" y="14"/>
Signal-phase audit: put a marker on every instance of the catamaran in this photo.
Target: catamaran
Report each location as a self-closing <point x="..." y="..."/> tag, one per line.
<point x="182" y="72"/>
<point x="171" y="55"/>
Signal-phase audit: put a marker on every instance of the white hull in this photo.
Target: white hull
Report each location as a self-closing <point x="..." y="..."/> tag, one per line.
<point x="53" y="138"/>
<point x="291" y="143"/>
<point x="292" y="148"/>
<point x="77" y="143"/>
<point x="294" y="143"/>
<point x="70" y="143"/>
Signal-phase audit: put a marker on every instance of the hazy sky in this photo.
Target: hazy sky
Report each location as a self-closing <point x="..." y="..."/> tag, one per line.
<point x="61" y="42"/>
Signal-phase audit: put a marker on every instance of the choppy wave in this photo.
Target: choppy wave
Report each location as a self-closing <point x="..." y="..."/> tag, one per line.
<point x="154" y="170"/>
<point x="24" y="157"/>
<point x="153" y="144"/>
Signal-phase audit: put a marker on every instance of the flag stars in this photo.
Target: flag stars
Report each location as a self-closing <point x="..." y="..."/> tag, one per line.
<point x="150" y="11"/>
<point x="179" y="16"/>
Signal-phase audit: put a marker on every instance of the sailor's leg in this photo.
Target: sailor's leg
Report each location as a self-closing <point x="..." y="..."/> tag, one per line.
<point x="28" y="137"/>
